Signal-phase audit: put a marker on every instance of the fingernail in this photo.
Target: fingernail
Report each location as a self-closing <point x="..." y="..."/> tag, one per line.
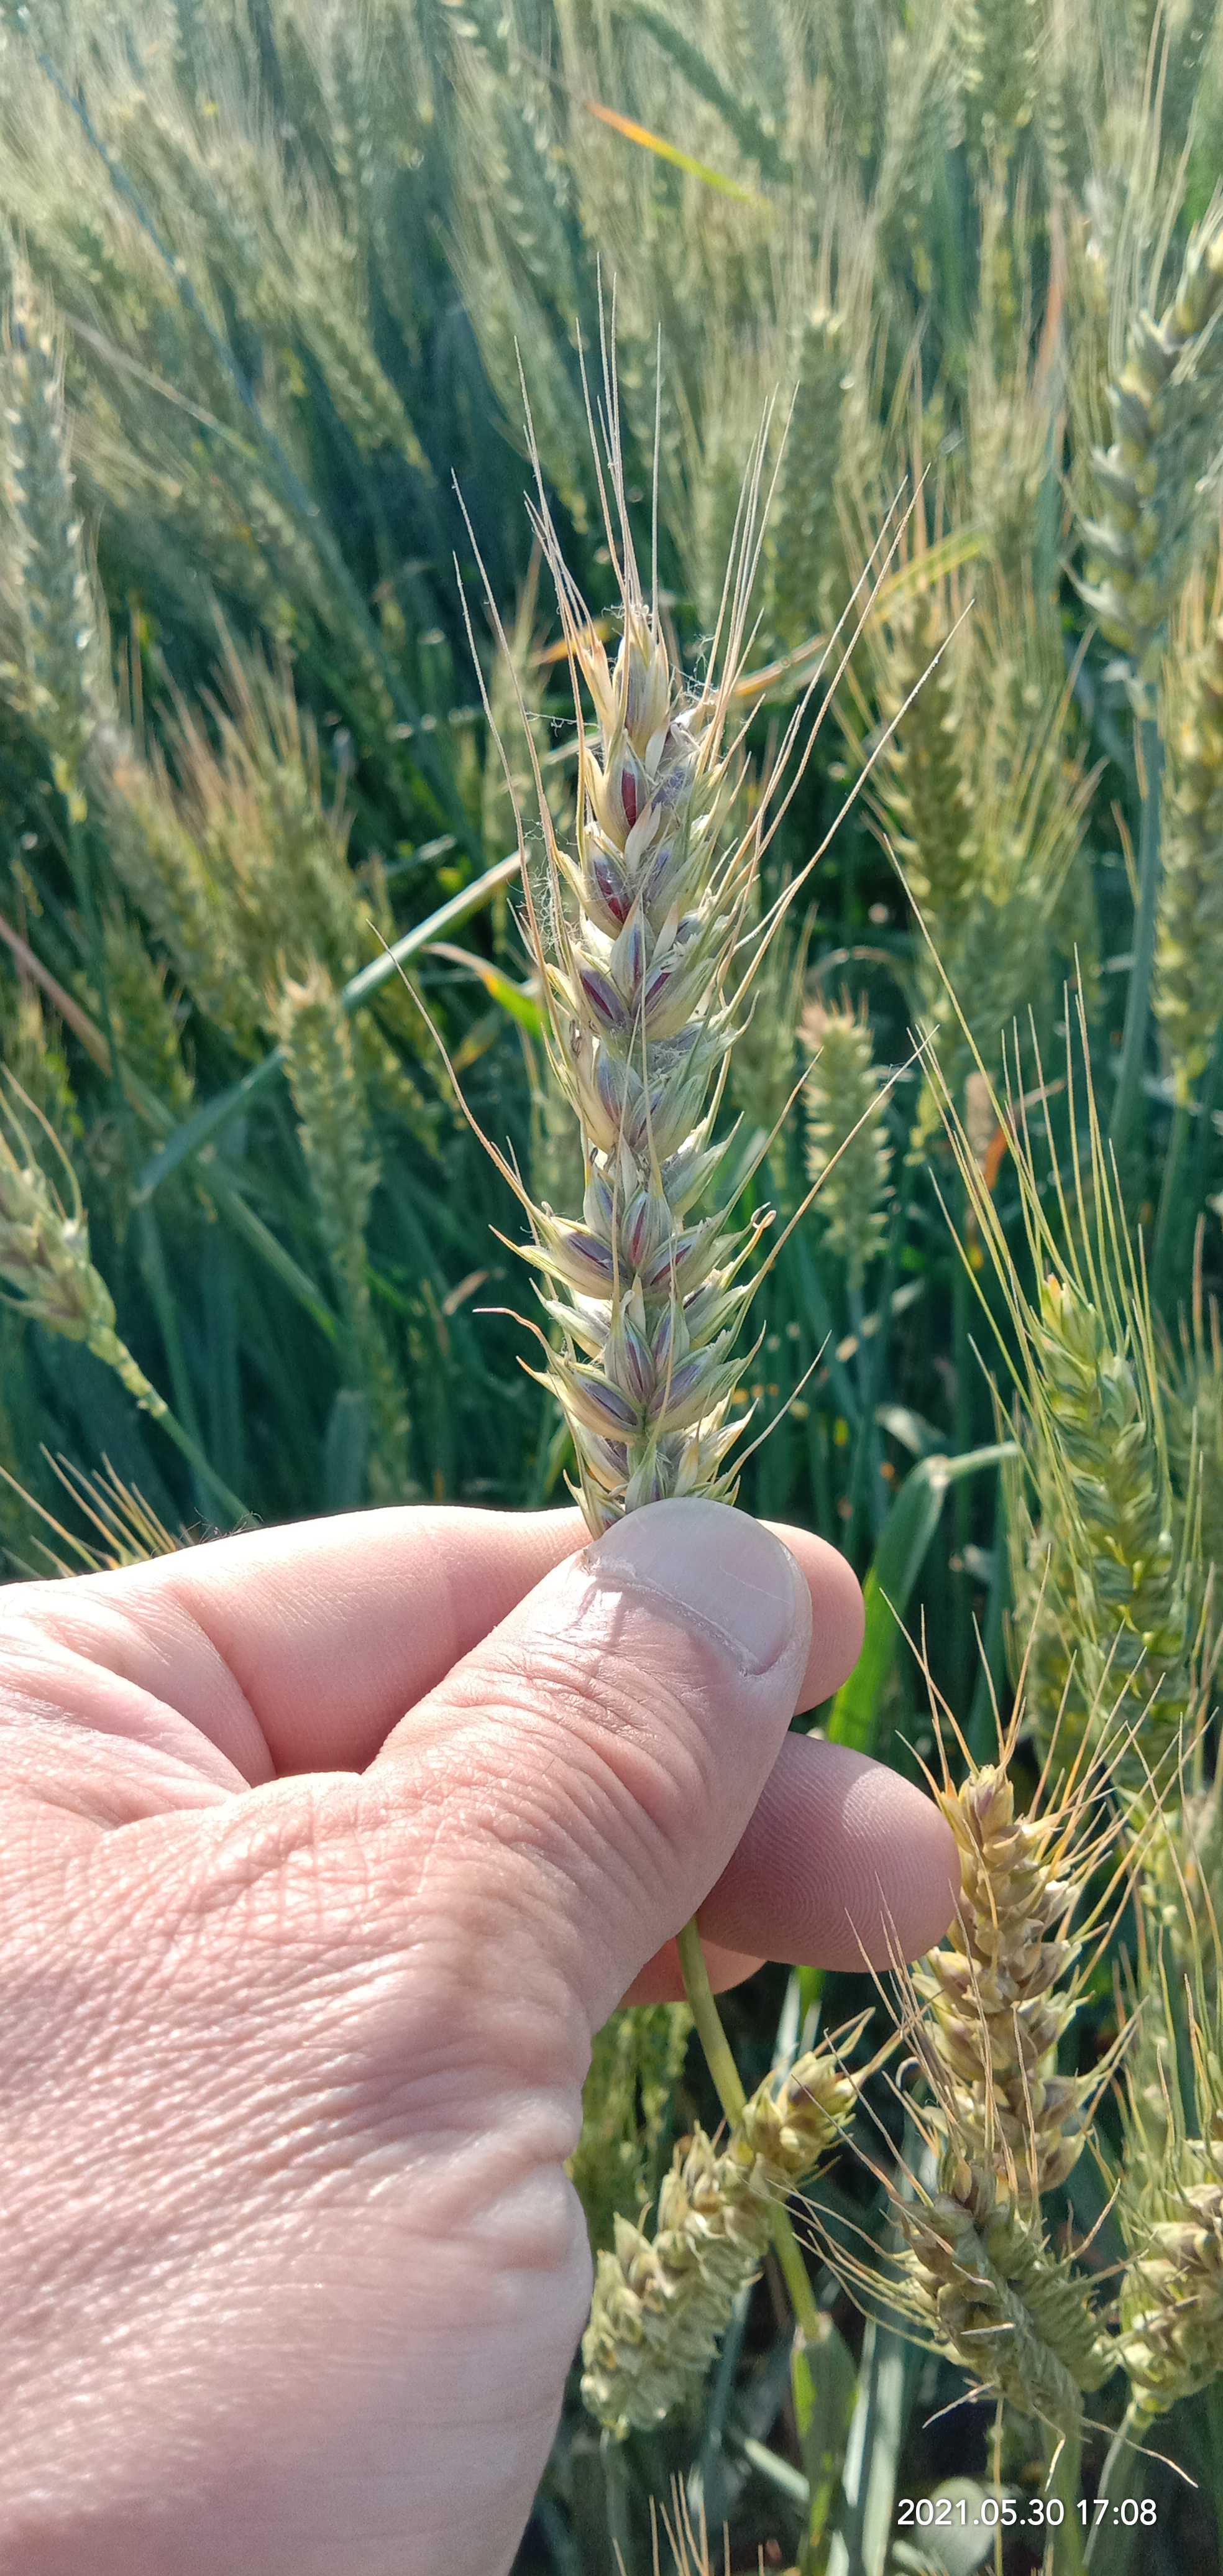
<point x="717" y="1567"/>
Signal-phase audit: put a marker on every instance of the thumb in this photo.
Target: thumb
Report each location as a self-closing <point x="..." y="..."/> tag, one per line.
<point x="600" y="1753"/>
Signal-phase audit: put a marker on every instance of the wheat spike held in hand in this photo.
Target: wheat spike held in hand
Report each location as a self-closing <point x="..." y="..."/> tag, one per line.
<point x="638" y="935"/>
<point x="647" y="939"/>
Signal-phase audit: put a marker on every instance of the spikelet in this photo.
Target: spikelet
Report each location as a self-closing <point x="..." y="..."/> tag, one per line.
<point x="1009" y="432"/>
<point x="851" y="39"/>
<point x="975" y="2272"/>
<point x="334" y="1133"/>
<point x="848" y="1153"/>
<point x="65" y="681"/>
<point x="333" y="1129"/>
<point x="1003" y="1990"/>
<point x="1165" y="455"/>
<point x="142" y="1013"/>
<point x="160" y="864"/>
<point x="1108" y="1506"/>
<point x="660" y="2307"/>
<point x="34" y="1053"/>
<point x="636" y="938"/>
<point x="1066" y="73"/>
<point x="1189" y="949"/>
<point x="1015" y="2316"/>
<point x="921" y="126"/>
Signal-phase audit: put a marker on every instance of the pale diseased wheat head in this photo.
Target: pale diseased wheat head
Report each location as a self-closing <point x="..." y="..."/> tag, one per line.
<point x="44" y="1251"/>
<point x="1106" y="1587"/>
<point x="1004" y="1989"/>
<point x="661" y="2305"/>
<point x="63" y="684"/>
<point x="639" y="935"/>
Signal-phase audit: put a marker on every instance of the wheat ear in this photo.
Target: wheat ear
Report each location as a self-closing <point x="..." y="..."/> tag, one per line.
<point x="848" y="1155"/>
<point x="1165" y="412"/>
<point x="661" y="2305"/>
<point x="1171" y="2204"/>
<point x="1189" y="929"/>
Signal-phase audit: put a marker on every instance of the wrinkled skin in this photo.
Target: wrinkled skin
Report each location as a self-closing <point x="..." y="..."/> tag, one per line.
<point x="297" y="1992"/>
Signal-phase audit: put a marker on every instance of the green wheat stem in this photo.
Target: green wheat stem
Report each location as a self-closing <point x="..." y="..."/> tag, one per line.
<point x="1066" y="2538"/>
<point x="868" y="1458"/>
<point x="616" y="2499"/>
<point x="153" y="1266"/>
<point x="962" y="1629"/>
<point x="1121" y="2476"/>
<point x="144" y="1394"/>
<point x="232" y="1504"/>
<point x="719" y="2058"/>
<point x="1138" y="997"/>
<point x="1169" y="1225"/>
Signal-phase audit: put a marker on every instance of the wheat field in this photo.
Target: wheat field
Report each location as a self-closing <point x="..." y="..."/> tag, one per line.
<point x="611" y="647"/>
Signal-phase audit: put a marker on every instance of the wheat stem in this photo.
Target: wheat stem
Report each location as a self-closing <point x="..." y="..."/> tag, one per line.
<point x="1125" y="2457"/>
<point x="1138" y="997"/>
<point x="1064" y="2453"/>
<point x="1169" y="1222"/>
<point x="719" y="2058"/>
<point x="231" y="1504"/>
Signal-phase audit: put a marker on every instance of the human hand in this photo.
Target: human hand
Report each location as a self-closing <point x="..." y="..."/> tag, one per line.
<point x="297" y="1993"/>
